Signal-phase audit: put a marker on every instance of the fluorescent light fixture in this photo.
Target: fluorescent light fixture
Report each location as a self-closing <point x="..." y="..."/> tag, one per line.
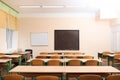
<point x="53" y="6"/>
<point x="29" y="6"/>
<point x="73" y="6"/>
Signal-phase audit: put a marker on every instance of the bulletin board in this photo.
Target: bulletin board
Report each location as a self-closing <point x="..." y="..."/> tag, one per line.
<point x="39" y="39"/>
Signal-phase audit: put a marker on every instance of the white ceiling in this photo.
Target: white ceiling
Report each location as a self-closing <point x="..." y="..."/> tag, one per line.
<point x="85" y="6"/>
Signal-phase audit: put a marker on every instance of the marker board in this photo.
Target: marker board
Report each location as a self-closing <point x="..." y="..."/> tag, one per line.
<point x="39" y="39"/>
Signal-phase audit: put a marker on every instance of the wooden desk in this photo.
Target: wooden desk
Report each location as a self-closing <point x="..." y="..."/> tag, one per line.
<point x="75" y="71"/>
<point x="8" y="62"/>
<point x="13" y="56"/>
<point x="33" y="71"/>
<point x="110" y="57"/>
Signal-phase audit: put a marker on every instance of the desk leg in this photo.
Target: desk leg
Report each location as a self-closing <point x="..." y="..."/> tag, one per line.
<point x="113" y="62"/>
<point x="108" y="61"/>
<point x="9" y="64"/>
<point x="19" y="60"/>
<point x="67" y="78"/>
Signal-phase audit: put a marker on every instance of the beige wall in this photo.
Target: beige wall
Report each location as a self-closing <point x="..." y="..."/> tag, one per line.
<point x="2" y="40"/>
<point x="94" y="35"/>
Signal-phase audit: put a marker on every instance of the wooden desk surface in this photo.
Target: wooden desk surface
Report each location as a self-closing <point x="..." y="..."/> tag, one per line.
<point x="12" y="56"/>
<point x="38" y="69"/>
<point x="91" y="69"/>
<point x="4" y="60"/>
<point x="64" y="69"/>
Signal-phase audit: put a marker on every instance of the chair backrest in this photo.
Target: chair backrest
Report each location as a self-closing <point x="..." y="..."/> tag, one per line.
<point x="47" y="78"/>
<point x="74" y="62"/>
<point x="113" y="77"/>
<point x="90" y="77"/>
<point x="37" y="62"/>
<point x="43" y="53"/>
<point x="68" y="53"/>
<point x="16" y="53"/>
<point x="117" y="56"/>
<point x="55" y="57"/>
<point x="13" y="77"/>
<point x="71" y="57"/>
<point x="117" y="53"/>
<point x="31" y="52"/>
<point x="41" y="57"/>
<point x="88" y="57"/>
<point x="106" y="52"/>
<point x="92" y="63"/>
<point x="77" y="53"/>
<point x="53" y="63"/>
<point x="53" y="53"/>
<point x="2" y="54"/>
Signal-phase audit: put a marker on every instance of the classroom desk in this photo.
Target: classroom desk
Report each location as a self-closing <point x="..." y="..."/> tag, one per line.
<point x="8" y="62"/>
<point x="33" y="71"/>
<point x="13" y="57"/>
<point x="75" y="71"/>
<point x="23" y="54"/>
<point x="110" y="57"/>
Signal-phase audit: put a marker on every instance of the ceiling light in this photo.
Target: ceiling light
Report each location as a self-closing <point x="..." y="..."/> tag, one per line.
<point x="53" y="6"/>
<point x="29" y="6"/>
<point x="73" y="6"/>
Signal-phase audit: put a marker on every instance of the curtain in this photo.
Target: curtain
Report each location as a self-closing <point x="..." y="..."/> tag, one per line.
<point x="3" y="19"/>
<point x="8" y="21"/>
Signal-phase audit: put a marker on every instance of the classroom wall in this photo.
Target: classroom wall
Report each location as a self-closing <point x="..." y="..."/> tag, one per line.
<point x="2" y="40"/>
<point x="94" y="34"/>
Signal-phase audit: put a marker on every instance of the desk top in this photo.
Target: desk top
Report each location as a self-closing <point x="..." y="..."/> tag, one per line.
<point x="11" y="56"/>
<point x="4" y="60"/>
<point x="91" y="69"/>
<point x="39" y="69"/>
<point x="65" y="69"/>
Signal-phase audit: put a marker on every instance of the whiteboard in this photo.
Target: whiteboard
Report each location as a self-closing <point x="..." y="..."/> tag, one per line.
<point x="39" y="38"/>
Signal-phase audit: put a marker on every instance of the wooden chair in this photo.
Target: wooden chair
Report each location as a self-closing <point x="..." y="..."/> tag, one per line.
<point x="54" y="63"/>
<point x="78" y="53"/>
<point x="105" y="54"/>
<point x="13" y="77"/>
<point x="90" y="77"/>
<point x="2" y="54"/>
<point x="44" y="53"/>
<point x="116" y="59"/>
<point x="116" y="53"/>
<point x="41" y="57"/>
<point x="53" y="53"/>
<point x="55" y="57"/>
<point x="68" y="53"/>
<point x="71" y="57"/>
<point x="37" y="62"/>
<point x="88" y="57"/>
<point x="15" y="53"/>
<point x="113" y="77"/>
<point x="47" y="78"/>
<point x="92" y="63"/>
<point x="74" y="62"/>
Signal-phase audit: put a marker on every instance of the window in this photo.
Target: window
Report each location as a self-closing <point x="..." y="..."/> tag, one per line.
<point x="9" y="37"/>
